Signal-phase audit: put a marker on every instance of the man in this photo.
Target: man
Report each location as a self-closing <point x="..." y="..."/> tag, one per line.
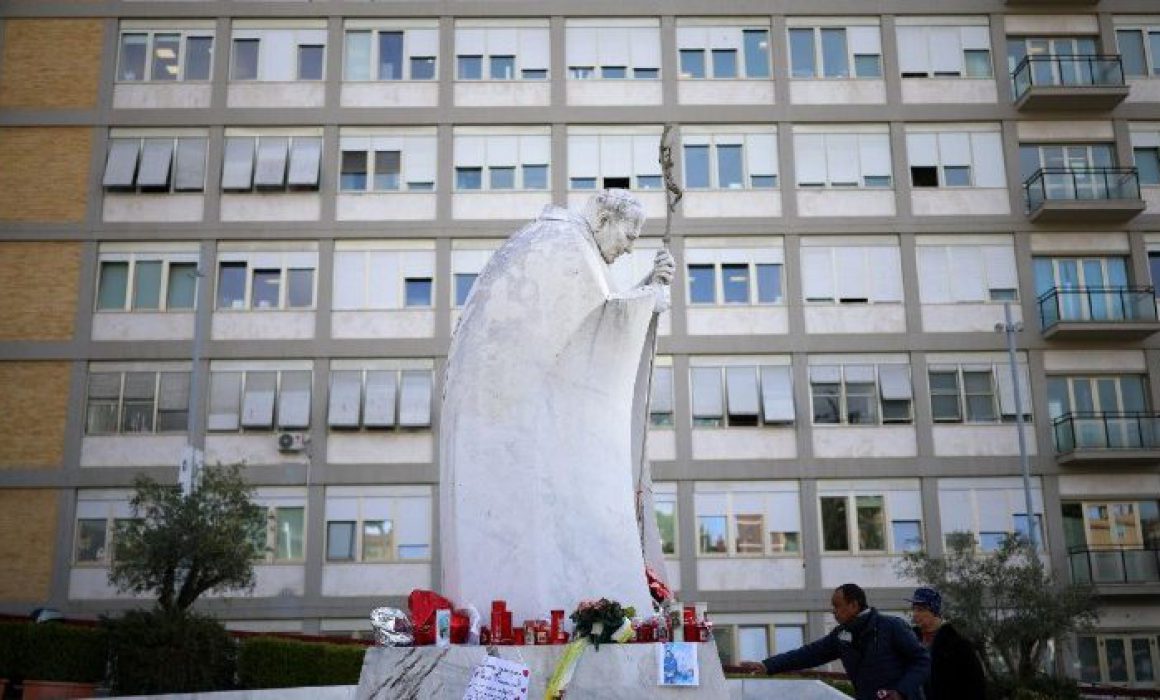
<point x="882" y="657"/>
<point x="538" y="499"/>
<point x="955" y="670"/>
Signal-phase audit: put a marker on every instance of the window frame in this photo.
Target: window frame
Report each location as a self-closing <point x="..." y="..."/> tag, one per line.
<point x="155" y="410"/>
<point x="714" y="144"/>
<point x="167" y="260"/>
<point x="753" y="284"/>
<point x="742" y="56"/>
<point x="397" y="424"/>
<point x="276" y="425"/>
<point x="518" y="167"/>
<point x="284" y="270"/>
<point x="362" y="517"/>
<point x="183" y="54"/>
<point x="373" y="56"/>
<point x="731" y="527"/>
<point x="844" y="395"/>
<point x="286" y="182"/>
<point x="853" y="533"/>
<point x="172" y="172"/>
<point x="269" y="553"/>
<point x="1151" y="52"/>
<point x="595" y="71"/>
<point x="864" y="176"/>
<point x="725" y="420"/>
<point x="819" y="53"/>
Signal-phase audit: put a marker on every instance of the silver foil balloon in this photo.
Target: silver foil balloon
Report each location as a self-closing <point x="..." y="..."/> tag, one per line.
<point x="392" y="627"/>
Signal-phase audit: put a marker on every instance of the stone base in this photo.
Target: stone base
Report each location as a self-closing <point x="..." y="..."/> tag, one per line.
<point x="615" y="672"/>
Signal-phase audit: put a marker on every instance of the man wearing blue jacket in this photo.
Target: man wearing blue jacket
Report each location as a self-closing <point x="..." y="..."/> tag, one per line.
<point x="882" y="657"/>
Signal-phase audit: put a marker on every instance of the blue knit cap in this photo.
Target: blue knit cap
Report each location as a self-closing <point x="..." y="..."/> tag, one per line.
<point x="929" y="598"/>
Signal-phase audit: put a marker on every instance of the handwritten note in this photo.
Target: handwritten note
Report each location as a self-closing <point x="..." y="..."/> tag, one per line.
<point x="498" y="679"/>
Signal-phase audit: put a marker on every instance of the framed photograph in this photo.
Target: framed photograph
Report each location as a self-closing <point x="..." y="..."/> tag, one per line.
<point x="442" y="628"/>
<point x="677" y="664"/>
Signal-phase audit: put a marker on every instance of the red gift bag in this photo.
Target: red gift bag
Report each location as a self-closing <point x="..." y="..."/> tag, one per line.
<point x="423" y="605"/>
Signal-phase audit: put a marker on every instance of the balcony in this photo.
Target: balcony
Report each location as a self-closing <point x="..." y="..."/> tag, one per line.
<point x="1065" y="83"/>
<point x="1098" y="313"/>
<point x="1114" y="565"/>
<point x="1120" y="439"/>
<point x="1083" y="195"/>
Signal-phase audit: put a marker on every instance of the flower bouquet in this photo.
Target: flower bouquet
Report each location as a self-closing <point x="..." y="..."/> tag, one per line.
<point x="603" y="621"/>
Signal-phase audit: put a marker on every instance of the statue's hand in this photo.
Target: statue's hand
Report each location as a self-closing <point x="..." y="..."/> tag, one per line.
<point x="663" y="268"/>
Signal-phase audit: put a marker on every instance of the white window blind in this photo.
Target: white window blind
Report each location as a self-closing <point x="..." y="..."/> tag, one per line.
<point x="155" y="161"/>
<point x="777" y="394"/>
<point x="271" y="168"/>
<point x="1007" y="389"/>
<point x="238" y="169"/>
<point x="379" y="410"/>
<point x="895" y="382"/>
<point x="294" y="400"/>
<point x="707" y="396"/>
<point x="661" y="400"/>
<point x="258" y="399"/>
<point x="741" y="385"/>
<point x="304" y="160"/>
<point x="415" y="399"/>
<point x="225" y="389"/>
<point x="121" y="165"/>
<point x="345" y="398"/>
<point x="190" y="164"/>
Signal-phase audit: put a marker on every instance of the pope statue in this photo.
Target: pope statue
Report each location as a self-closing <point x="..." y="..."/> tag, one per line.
<point x="542" y="419"/>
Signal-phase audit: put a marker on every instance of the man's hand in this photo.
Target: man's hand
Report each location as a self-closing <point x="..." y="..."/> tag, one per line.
<point x="754" y="667"/>
<point x="663" y="268"/>
<point x="889" y="695"/>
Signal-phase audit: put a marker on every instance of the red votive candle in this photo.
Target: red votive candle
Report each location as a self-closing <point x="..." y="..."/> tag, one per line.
<point x="507" y="625"/>
<point x="518" y="636"/>
<point x="557" y="625"/>
<point x="497" y="611"/>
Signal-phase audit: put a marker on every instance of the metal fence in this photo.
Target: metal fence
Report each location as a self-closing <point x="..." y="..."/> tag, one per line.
<point x="1096" y="305"/>
<point x="1067" y="71"/>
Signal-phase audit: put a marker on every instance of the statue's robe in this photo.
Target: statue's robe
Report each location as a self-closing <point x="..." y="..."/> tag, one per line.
<point x="536" y="430"/>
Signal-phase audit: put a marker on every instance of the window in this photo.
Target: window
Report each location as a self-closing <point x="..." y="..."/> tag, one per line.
<point x="155" y="164"/>
<point x="739" y="640"/>
<point x="138" y="401"/>
<point x="1081" y="289"/>
<point x="288" y="54"/>
<point x="1129" y="660"/>
<point x="954" y="274"/>
<point x="732" y="52"/>
<point x="883" y="521"/>
<point x="740" y="283"/>
<point x="1064" y="71"/>
<point x="389" y="54"/>
<point x="1102" y="412"/>
<point x="1139" y="48"/>
<point x="850" y="274"/>
<point x="955" y="159"/>
<point x="1146" y="153"/>
<point x="665" y="506"/>
<point x="271" y="163"/>
<point x="380" y="524"/>
<point x="272" y="281"/>
<point x="752" y="519"/>
<point x="146" y="282"/>
<point x="489" y="50"/>
<point x="374" y="275"/>
<point x="99" y="516"/>
<point x="661" y="397"/>
<point x="990" y="509"/>
<point x="736" y="396"/>
<point x="490" y="161"/>
<point x="628" y="49"/>
<point x="623" y="160"/>
<point x="282" y="537"/>
<point x="261" y="399"/>
<point x="842" y="160"/>
<point x="386" y="162"/>
<point x="730" y="161"/>
<point x="385" y="397"/>
<point x="165" y="55"/>
<point x="835" y="52"/>
<point x="864" y="394"/>
<point x="976" y="393"/>
<point x="944" y="51"/>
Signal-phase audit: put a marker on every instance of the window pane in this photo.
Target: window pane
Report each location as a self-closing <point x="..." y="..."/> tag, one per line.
<point x="749" y="529"/>
<point x="801" y="49"/>
<point x="165" y="56"/>
<point x="300" y="288"/>
<point x="692" y="63"/>
<point x="340" y="541"/>
<point x="310" y="62"/>
<point x="91" y="534"/>
<point x="463" y="284"/>
<point x="696" y="166"/>
<point x="784" y="542"/>
<point x="646" y="73"/>
<point x="414" y="551"/>
<point x="388" y="166"/>
<point x="957" y="175"/>
<point x="788" y="638"/>
<point x="648" y="182"/>
<point x="729" y="174"/>
<point x="182" y="286"/>
<point x="113" y="286"/>
<point x="871" y="526"/>
<point x="666" y="512"/>
<point x="835" y="62"/>
<point x="861" y="403"/>
<point x="147" y="285"/>
<point x="1142" y="661"/>
<point x="503" y="67"/>
<point x="1117" y="660"/>
<point x="245" y="60"/>
<point x="826" y="399"/>
<point x="378" y="537"/>
<point x="907" y="535"/>
<point x="354" y="171"/>
<point x="267" y="288"/>
<point x="501" y="178"/>
<point x="712" y="534"/>
<point x="1131" y="43"/>
<point x="702" y="284"/>
<point x="768" y="283"/>
<point x="1154" y="49"/>
<point x="470" y="68"/>
<point x="289" y="541"/>
<point x="724" y="63"/>
<point x="835" y="532"/>
<point x="137" y="417"/>
<point x="1148" y="164"/>
<point x="390" y="55"/>
<point x="535" y="177"/>
<point x="534" y="73"/>
<point x="417" y="291"/>
<point x="868" y="65"/>
<point x="132" y="63"/>
<point x="756" y="53"/>
<point x="614" y="72"/>
<point x="468" y="178"/>
<point x="978" y="63"/>
<point x="735" y="284"/>
<point x="422" y="68"/>
<point x="101" y="417"/>
<point x="753" y="643"/>
<point x="358" y="56"/>
<point x="991" y="541"/>
<point x="1089" y="659"/>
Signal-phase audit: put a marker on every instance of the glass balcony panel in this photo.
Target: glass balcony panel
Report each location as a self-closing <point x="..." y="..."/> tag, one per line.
<point x="1107" y="567"/>
<point x="1141" y="566"/>
<point x="1080" y="573"/>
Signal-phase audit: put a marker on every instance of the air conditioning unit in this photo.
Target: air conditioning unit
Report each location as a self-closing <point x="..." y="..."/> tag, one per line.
<point x="292" y="442"/>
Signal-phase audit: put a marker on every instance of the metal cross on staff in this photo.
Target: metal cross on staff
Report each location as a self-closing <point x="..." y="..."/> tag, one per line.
<point x="673" y="191"/>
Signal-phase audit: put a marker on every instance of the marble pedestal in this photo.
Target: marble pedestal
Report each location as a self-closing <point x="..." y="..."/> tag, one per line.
<point x="615" y="672"/>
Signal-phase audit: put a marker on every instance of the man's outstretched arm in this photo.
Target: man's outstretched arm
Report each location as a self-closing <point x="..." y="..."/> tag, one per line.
<point x="813" y="654"/>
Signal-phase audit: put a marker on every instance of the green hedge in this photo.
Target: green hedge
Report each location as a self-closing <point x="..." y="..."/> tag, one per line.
<point x="271" y="662"/>
<point x="52" y="652"/>
<point x="155" y="652"/>
<point x="11" y="644"/>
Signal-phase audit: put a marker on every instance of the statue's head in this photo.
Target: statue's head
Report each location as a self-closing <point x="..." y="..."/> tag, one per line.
<point x="616" y="219"/>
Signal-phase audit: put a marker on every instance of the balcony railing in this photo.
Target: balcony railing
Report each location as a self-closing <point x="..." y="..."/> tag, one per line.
<point x="1080" y="184"/>
<point x="1106" y="431"/>
<point x="1114" y="565"/>
<point x="1096" y="305"/>
<point x="1067" y="71"/>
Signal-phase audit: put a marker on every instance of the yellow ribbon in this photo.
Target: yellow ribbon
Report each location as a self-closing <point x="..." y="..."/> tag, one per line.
<point x="566" y="666"/>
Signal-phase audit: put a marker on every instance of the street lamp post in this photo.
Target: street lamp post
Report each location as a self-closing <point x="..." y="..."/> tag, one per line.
<point x="1010" y="328"/>
<point x="191" y="459"/>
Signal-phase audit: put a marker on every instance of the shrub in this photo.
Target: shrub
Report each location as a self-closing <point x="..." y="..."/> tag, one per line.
<point x="59" y="652"/>
<point x="1041" y="687"/>
<point x="156" y="652"/>
<point x="12" y="636"/>
<point x="270" y="662"/>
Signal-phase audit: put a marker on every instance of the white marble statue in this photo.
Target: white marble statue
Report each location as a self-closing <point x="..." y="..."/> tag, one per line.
<point x="542" y="418"/>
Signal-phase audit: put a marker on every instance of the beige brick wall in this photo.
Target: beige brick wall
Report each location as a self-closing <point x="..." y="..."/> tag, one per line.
<point x="51" y="63"/>
<point x="33" y="407"/>
<point x="27" y="543"/>
<point x="44" y="173"/>
<point x="38" y="290"/>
